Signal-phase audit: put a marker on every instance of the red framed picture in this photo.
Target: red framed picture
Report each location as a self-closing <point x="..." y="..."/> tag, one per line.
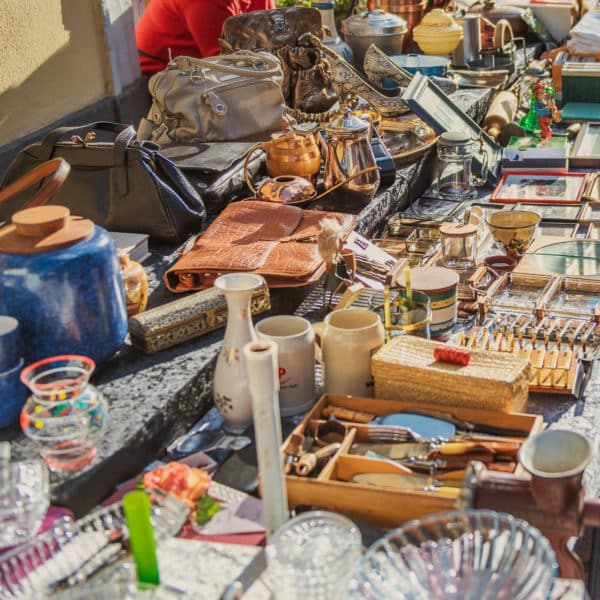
<point x="540" y="187"/>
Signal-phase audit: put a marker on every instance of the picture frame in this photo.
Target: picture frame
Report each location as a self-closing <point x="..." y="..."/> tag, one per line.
<point x="586" y="148"/>
<point x="430" y="103"/>
<point x="555" y="212"/>
<point x="535" y="187"/>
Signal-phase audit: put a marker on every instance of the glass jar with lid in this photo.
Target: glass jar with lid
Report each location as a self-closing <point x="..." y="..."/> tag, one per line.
<point x="459" y="245"/>
<point x="454" y="181"/>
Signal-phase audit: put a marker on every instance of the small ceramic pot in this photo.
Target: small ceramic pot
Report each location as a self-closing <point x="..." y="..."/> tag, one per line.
<point x="438" y="33"/>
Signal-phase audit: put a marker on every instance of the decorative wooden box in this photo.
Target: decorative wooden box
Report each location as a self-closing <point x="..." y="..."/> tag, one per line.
<point x="382" y="506"/>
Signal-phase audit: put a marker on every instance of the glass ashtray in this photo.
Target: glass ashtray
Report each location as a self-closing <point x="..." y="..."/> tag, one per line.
<point x="459" y="555"/>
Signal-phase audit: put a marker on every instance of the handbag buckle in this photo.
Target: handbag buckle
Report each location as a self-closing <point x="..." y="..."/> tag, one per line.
<point x="279" y="23"/>
<point x="216" y="104"/>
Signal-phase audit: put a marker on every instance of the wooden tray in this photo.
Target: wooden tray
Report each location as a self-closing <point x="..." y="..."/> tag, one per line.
<point x="382" y="506"/>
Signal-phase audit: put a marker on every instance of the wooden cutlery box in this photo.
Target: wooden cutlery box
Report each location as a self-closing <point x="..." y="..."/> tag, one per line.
<point x="380" y="505"/>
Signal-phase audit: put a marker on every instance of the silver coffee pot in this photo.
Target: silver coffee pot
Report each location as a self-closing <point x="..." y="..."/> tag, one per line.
<point x="350" y="165"/>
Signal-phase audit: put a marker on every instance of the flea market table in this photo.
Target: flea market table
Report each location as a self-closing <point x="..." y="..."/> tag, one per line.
<point x="154" y="398"/>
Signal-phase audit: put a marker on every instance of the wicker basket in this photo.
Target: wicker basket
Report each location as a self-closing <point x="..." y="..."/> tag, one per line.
<point x="405" y="369"/>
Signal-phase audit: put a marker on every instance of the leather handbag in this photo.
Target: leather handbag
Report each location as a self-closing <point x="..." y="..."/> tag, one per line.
<point x="215" y="99"/>
<point x="274" y="240"/>
<point x="117" y="182"/>
<point x="294" y="35"/>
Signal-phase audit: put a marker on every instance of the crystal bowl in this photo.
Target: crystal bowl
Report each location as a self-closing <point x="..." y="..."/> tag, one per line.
<point x="58" y="378"/>
<point x="459" y="555"/>
<point x="24" y="499"/>
<point x="514" y="230"/>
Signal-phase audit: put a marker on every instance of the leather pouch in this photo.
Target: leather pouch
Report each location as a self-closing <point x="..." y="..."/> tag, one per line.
<point x="186" y="318"/>
<point x="294" y="35"/>
<point x="276" y="241"/>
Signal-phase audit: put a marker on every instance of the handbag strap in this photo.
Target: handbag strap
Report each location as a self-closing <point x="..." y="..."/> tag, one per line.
<point x="56" y="171"/>
<point x="242" y="56"/>
<point x="122" y="130"/>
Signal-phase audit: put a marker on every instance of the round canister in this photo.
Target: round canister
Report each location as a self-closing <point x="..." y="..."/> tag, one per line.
<point x="441" y="285"/>
<point x="61" y="281"/>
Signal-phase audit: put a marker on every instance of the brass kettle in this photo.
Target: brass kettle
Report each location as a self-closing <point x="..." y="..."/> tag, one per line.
<point x="289" y="152"/>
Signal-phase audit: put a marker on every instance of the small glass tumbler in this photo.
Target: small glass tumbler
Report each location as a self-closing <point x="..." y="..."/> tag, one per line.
<point x="401" y="316"/>
<point x="459" y="245"/>
<point x="24" y="499"/>
<point x="314" y="555"/>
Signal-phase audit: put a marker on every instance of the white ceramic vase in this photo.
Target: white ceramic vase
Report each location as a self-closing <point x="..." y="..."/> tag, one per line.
<point x="230" y="386"/>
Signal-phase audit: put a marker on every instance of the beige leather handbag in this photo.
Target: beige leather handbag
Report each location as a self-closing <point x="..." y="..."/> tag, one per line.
<point x="215" y="99"/>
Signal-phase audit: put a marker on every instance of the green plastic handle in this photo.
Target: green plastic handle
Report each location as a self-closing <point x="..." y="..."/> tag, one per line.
<point x="136" y="505"/>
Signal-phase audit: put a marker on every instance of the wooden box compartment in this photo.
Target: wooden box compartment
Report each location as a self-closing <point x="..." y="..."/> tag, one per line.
<point x="382" y="506"/>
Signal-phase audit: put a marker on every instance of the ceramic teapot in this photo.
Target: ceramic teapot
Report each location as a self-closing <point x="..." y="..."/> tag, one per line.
<point x="60" y="276"/>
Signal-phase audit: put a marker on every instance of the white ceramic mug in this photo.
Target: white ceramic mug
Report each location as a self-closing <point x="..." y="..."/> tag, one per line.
<point x="295" y="341"/>
<point x="349" y="337"/>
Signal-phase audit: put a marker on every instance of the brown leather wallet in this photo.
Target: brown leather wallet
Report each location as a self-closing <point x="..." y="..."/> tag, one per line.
<point x="274" y="240"/>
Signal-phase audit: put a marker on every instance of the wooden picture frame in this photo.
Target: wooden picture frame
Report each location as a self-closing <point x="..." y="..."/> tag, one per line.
<point x="535" y="187"/>
<point x="586" y="148"/>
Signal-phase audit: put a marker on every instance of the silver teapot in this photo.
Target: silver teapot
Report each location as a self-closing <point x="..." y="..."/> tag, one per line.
<point x="350" y="173"/>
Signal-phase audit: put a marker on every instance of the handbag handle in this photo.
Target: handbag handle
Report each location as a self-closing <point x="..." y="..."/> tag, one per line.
<point x="251" y="58"/>
<point x="56" y="170"/>
<point x="52" y="138"/>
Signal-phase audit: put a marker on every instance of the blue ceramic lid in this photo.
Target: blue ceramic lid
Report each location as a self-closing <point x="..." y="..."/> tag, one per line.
<point x="10" y="343"/>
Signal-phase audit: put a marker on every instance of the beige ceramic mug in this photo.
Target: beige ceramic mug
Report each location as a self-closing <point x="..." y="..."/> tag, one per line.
<point x="348" y="339"/>
<point x="295" y="341"/>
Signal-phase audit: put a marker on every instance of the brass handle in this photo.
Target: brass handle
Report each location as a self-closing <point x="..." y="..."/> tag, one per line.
<point x="249" y="154"/>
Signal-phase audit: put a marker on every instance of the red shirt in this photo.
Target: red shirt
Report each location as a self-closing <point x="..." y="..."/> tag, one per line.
<point x="187" y="27"/>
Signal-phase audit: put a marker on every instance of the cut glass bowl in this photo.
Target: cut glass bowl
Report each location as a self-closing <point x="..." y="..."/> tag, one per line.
<point x="459" y="555"/>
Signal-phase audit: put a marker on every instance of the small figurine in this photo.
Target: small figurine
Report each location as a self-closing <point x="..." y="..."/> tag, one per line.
<point x="545" y="108"/>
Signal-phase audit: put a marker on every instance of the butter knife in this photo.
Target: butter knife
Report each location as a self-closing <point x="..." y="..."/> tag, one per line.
<point x="237" y="588"/>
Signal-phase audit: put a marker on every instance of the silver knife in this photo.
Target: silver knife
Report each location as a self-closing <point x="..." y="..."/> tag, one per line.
<point x="237" y="588"/>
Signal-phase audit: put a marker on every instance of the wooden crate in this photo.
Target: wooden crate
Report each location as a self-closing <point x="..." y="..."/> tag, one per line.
<point x="383" y="507"/>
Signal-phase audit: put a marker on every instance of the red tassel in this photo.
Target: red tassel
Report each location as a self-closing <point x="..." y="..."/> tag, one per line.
<point x="449" y="354"/>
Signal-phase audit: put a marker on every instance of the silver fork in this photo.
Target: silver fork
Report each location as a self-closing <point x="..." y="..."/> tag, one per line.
<point x="391" y="433"/>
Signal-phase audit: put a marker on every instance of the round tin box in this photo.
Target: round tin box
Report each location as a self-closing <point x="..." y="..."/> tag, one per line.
<point x="441" y="285"/>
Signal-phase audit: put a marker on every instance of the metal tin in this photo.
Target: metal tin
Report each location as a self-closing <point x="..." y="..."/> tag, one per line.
<point x="378" y="27"/>
<point x="441" y="285"/>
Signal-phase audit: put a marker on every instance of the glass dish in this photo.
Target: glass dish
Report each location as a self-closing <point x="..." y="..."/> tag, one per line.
<point x="459" y="555"/>
<point x="24" y="499"/>
<point x="33" y="568"/>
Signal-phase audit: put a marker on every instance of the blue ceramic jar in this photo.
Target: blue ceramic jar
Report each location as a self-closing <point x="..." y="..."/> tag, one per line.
<point x="12" y="392"/>
<point x="61" y="280"/>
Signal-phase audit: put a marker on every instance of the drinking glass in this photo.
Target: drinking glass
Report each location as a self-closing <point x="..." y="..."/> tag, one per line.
<point x="313" y="556"/>
<point x="24" y="499"/>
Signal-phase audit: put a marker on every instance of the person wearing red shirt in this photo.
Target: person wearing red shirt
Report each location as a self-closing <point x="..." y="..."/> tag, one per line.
<point x="186" y="27"/>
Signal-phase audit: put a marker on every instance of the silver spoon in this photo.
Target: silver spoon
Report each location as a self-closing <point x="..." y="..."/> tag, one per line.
<point x="205" y="440"/>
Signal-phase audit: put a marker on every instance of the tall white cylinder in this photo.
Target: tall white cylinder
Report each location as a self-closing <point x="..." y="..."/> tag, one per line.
<point x="263" y="385"/>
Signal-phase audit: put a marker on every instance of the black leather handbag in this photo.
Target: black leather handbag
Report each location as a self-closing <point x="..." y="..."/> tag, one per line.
<point x="117" y="182"/>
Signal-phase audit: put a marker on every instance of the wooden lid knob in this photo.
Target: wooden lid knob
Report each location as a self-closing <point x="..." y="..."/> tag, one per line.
<point x="41" y="220"/>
